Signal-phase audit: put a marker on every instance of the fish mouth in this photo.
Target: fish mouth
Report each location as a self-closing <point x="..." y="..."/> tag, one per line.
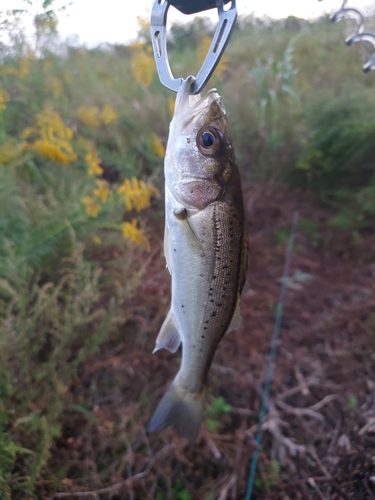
<point x="189" y="107"/>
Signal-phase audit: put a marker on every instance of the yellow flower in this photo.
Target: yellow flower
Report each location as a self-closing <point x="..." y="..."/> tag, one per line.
<point x="109" y="115"/>
<point x="157" y="145"/>
<point x="137" y="194"/>
<point x="90" y="115"/>
<point x="97" y="240"/>
<point x="143" y="66"/>
<point x="203" y="51"/>
<point x="93" y="162"/>
<point x="62" y="151"/>
<point x="53" y="137"/>
<point x="91" y="206"/>
<point x="28" y="132"/>
<point x="103" y="190"/>
<point x="8" y="152"/>
<point x="4" y="97"/>
<point x="131" y="232"/>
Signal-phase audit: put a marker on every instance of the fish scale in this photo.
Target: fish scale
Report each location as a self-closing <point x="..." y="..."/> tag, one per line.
<point x="219" y="295"/>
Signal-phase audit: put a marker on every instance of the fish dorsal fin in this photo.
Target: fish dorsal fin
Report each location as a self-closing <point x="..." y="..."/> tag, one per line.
<point x="168" y="337"/>
<point x="237" y="321"/>
<point x="167" y="248"/>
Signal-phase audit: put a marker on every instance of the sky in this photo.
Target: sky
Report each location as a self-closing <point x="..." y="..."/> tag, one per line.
<point x="115" y="21"/>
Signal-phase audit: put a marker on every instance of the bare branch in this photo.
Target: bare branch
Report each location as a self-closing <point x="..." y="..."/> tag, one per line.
<point x="116" y="486"/>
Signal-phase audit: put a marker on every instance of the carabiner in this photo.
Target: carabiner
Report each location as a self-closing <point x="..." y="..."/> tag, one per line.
<point x="221" y="37"/>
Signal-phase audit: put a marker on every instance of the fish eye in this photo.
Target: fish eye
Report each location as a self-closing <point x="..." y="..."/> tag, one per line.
<point x="209" y="140"/>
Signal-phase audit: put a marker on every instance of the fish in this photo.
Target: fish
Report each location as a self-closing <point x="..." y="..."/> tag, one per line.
<point x="206" y="248"/>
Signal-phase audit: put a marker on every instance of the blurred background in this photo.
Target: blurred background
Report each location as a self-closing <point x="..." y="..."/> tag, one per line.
<point x="83" y="286"/>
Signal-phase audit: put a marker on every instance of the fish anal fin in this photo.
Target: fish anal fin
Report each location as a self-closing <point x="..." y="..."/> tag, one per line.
<point x="237" y="321"/>
<point x="168" y="337"/>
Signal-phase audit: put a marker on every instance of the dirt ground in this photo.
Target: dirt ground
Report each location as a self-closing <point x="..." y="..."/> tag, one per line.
<point x="319" y="434"/>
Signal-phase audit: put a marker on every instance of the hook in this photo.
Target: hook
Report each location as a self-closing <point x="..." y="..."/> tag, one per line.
<point x="360" y="35"/>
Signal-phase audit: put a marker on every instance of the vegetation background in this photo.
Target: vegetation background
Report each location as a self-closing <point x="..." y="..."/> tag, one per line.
<point x="82" y="138"/>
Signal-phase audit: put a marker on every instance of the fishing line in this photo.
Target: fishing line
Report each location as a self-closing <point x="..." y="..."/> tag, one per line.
<point x="273" y="350"/>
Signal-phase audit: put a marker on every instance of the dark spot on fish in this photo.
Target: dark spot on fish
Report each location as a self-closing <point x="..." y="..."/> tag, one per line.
<point x="202" y="336"/>
<point x="174" y="249"/>
<point x="214" y="277"/>
<point x="207" y="321"/>
<point x="204" y="328"/>
<point x="193" y="345"/>
<point x="213" y="314"/>
<point x="211" y="300"/>
<point x="182" y="305"/>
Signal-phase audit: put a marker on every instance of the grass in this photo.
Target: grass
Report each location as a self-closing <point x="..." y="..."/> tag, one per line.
<point x="82" y="136"/>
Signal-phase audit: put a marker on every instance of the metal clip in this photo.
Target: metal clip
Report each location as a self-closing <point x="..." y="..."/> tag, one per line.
<point x="360" y="35"/>
<point x="221" y="37"/>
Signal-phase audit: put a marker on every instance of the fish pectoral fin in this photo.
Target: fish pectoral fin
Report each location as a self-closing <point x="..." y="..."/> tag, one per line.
<point x="237" y="321"/>
<point x="168" y="337"/>
<point x="182" y="215"/>
<point x="167" y="248"/>
<point x="198" y="242"/>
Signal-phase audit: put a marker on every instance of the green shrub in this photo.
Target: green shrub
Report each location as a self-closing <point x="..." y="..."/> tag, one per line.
<point x="48" y="329"/>
<point x="337" y="163"/>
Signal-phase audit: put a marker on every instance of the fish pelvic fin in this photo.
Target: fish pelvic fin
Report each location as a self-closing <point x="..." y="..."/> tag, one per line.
<point x="167" y="248"/>
<point x="168" y="337"/>
<point x="180" y="408"/>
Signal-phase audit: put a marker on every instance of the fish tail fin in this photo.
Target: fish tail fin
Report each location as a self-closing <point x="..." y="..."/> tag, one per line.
<point x="180" y="408"/>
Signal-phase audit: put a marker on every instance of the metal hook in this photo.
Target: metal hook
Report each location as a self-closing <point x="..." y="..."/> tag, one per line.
<point x="360" y="35"/>
<point x="221" y="37"/>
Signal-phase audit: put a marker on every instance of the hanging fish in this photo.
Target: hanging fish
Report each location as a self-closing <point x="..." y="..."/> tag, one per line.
<point x="205" y="246"/>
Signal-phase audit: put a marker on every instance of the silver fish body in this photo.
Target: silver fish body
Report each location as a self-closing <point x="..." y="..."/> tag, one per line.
<point x="206" y="251"/>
